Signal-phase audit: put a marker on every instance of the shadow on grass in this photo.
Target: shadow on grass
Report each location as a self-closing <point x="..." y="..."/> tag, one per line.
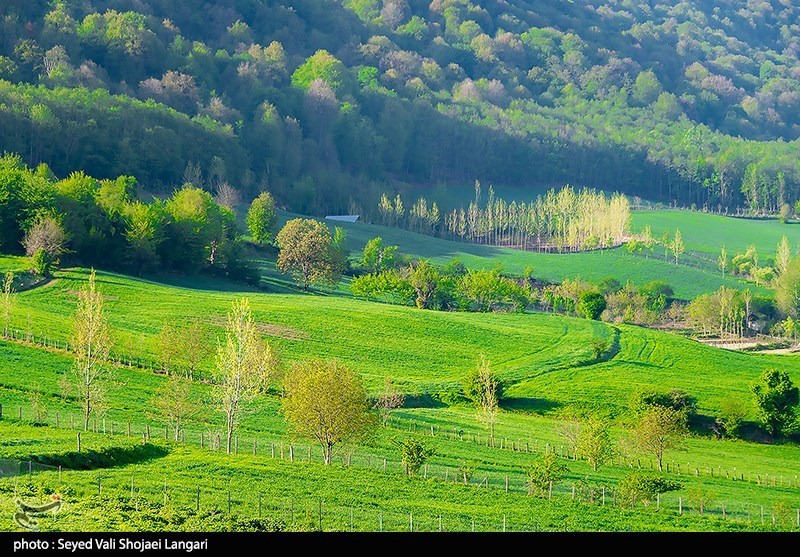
<point x="110" y="457"/>
<point x="425" y="400"/>
<point x="532" y="405"/>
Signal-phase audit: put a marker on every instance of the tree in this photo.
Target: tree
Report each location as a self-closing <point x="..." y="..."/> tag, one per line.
<point x="787" y="289"/>
<point x="722" y="260"/>
<point x="783" y="255"/>
<point x="424" y="278"/>
<point x="261" y="218"/>
<point x="88" y="377"/>
<point x="194" y="347"/>
<point x="594" y="442"/>
<point x="785" y="213"/>
<point x="677" y="246"/>
<point x="546" y="471"/>
<point x="327" y="402"/>
<point x="45" y="233"/>
<point x="173" y="402"/>
<point x="307" y="252"/>
<point x="591" y="304"/>
<point x="8" y="300"/>
<point x="483" y="388"/>
<point x="659" y="429"/>
<point x="776" y="398"/>
<point x="415" y="453"/>
<point x="732" y="412"/>
<point x="169" y="345"/>
<point x="376" y="257"/>
<point x="244" y="365"/>
<point x="388" y="400"/>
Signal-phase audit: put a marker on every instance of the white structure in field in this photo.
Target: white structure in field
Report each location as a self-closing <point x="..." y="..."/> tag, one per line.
<point x="343" y="218"/>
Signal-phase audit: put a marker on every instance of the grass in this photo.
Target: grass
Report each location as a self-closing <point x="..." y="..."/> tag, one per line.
<point x="545" y="361"/>
<point x="705" y="233"/>
<point x="137" y="495"/>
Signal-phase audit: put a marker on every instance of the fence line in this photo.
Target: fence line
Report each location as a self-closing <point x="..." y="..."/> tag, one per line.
<point x="508" y="481"/>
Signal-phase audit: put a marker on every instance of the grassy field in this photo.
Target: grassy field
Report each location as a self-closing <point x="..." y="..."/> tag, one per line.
<point x="119" y="483"/>
<point x="706" y="233"/>
<point x="545" y="361"/>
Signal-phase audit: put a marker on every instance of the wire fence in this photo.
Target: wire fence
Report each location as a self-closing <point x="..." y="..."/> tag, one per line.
<point x="512" y="480"/>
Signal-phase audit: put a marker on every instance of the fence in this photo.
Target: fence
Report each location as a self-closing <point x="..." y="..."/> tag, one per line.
<point x="573" y="488"/>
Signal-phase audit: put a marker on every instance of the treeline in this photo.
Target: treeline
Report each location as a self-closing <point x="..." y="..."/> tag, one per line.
<point x="104" y="222"/>
<point x="559" y="220"/>
<point x="269" y="96"/>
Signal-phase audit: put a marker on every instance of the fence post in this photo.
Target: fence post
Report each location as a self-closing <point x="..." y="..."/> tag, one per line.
<point x="128" y="428"/>
<point x="410" y="521"/>
<point x="79" y="441"/>
<point x="30" y="469"/>
<point x="504" y="523"/>
<point x="384" y="465"/>
<point x="291" y="453"/>
<point x="1" y="414"/>
<point x="272" y="448"/>
<point x="1" y="411"/>
<point x="680" y="505"/>
<point x="254" y="446"/>
<point x="59" y="474"/>
<point x="573" y="492"/>
<point x="229" y="502"/>
<point x="201" y="438"/>
<point x="20" y="412"/>
<point x="762" y="514"/>
<point x="550" y="493"/>
<point x="440" y="523"/>
<point x="425" y="475"/>
<point x="380" y="521"/>
<point x="198" y="499"/>
<point x="723" y="511"/>
<point x="506" y="484"/>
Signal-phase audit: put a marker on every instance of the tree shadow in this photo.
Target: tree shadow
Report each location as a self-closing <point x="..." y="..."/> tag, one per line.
<point x="110" y="457"/>
<point x="532" y="405"/>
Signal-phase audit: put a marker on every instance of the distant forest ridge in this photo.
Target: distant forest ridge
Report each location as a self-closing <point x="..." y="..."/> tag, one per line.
<point x="324" y="103"/>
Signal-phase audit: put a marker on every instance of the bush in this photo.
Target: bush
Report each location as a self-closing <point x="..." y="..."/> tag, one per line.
<point x="644" y="487"/>
<point x="42" y="262"/>
<point x="415" y="453"/>
<point x="591" y="305"/>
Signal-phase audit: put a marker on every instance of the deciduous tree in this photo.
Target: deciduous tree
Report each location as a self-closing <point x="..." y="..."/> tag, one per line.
<point x="91" y="341"/>
<point x="776" y="398"/>
<point x="244" y="365"/>
<point x="327" y="402"/>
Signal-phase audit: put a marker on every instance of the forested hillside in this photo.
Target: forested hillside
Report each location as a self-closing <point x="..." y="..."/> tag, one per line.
<point x="329" y="104"/>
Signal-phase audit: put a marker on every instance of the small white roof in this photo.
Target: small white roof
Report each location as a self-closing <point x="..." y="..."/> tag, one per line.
<point x="345" y="218"/>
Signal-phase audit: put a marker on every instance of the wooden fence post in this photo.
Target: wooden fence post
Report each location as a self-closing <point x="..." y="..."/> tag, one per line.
<point x="79" y="441"/>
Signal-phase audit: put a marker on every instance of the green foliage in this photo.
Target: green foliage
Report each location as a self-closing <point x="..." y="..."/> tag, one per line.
<point x="591" y="305"/>
<point x="414" y="452"/>
<point x="732" y="413"/>
<point x="307" y="252"/>
<point x="42" y="262"/>
<point x="644" y="487"/>
<point x="546" y="471"/>
<point x="776" y="398"/>
<point x="261" y="218"/>
<point x="321" y="65"/>
<point x="376" y="257"/>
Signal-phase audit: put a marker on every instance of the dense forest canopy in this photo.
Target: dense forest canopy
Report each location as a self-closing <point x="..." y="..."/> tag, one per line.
<point x="326" y="102"/>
